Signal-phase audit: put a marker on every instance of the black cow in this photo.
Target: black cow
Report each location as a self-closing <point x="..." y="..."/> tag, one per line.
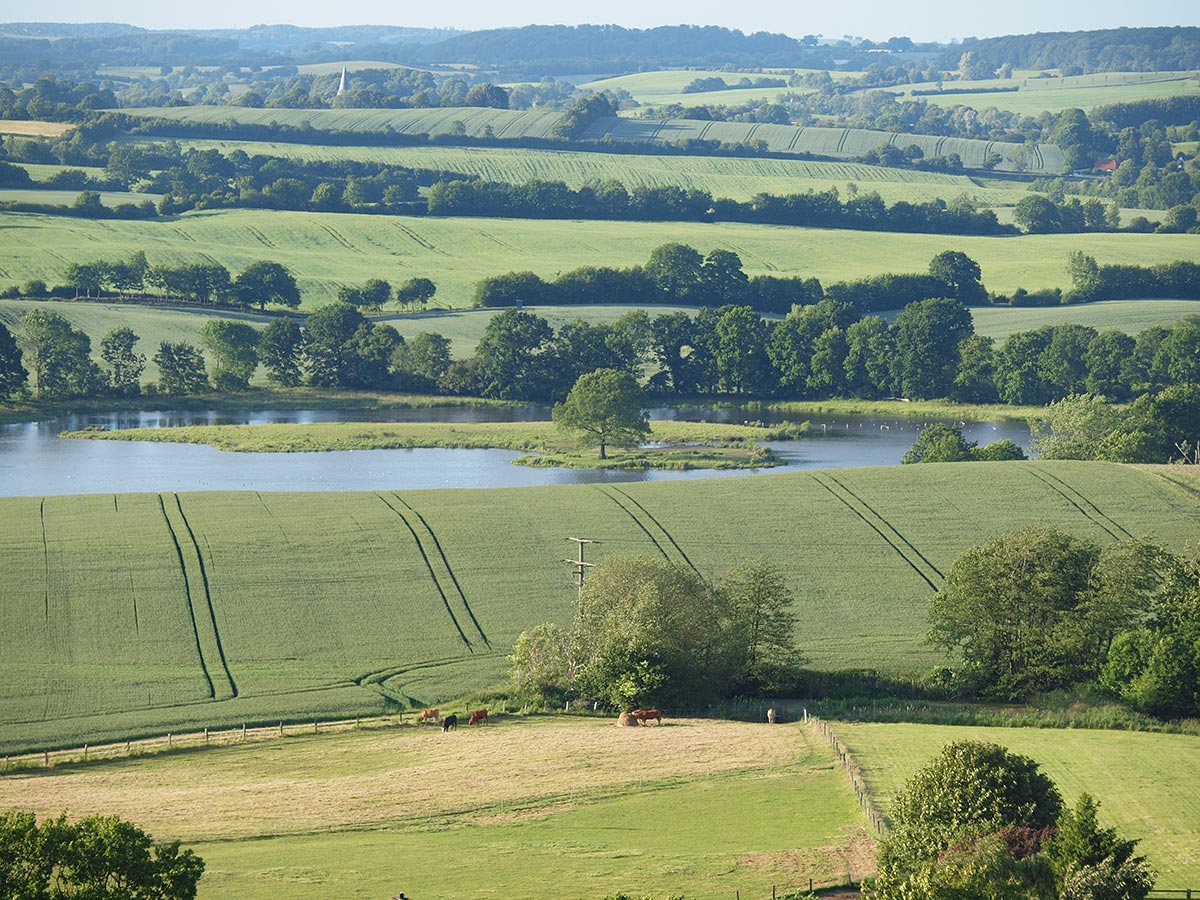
<point x="451" y="721"/>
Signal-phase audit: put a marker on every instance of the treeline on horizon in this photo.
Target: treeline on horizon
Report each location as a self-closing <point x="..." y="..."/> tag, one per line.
<point x="555" y="49"/>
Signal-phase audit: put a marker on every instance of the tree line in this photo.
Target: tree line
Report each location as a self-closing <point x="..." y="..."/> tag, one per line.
<point x="1038" y="609"/>
<point x="612" y="200"/>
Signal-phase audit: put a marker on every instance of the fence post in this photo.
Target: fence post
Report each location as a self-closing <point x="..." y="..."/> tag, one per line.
<point x="243" y="731"/>
<point x="281" y="729"/>
<point x="206" y="735"/>
<point x="170" y="742"/>
<point x="47" y="759"/>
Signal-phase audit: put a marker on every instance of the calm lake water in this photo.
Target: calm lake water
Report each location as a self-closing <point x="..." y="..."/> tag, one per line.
<point x="34" y="461"/>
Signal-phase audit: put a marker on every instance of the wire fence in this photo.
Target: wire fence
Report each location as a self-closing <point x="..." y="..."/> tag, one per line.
<point x="850" y="766"/>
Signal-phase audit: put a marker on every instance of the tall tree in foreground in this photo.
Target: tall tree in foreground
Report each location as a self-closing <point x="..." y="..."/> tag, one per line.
<point x="605" y="405"/>
<point x="59" y="355"/>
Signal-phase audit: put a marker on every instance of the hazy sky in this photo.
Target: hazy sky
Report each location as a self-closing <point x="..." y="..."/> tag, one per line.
<point x="926" y="20"/>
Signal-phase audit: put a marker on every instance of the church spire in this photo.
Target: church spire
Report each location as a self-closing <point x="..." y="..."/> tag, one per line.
<point x="342" y="87"/>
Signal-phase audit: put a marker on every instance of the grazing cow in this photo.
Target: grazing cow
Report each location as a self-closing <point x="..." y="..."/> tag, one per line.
<point x="430" y="715"/>
<point x="644" y="715"/>
<point x="479" y="716"/>
<point x="451" y="721"/>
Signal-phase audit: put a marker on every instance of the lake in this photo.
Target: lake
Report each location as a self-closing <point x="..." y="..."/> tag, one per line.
<point x="35" y="461"/>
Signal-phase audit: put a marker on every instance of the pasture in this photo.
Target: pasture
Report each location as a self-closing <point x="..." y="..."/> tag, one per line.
<point x="144" y="613"/>
<point x="1148" y="784"/>
<point x="536" y="808"/>
<point x="67" y="198"/>
<point x="328" y="250"/>
<point x="734" y="177"/>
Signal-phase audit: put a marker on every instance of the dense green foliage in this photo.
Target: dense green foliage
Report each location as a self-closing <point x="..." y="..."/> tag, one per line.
<point x="940" y="442"/>
<point x="980" y="820"/>
<point x="605" y="405"/>
<point x="1038" y="609"/>
<point x="653" y="633"/>
<point x="97" y="857"/>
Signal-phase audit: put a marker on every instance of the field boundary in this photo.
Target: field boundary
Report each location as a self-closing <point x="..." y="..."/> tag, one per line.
<point x="846" y="761"/>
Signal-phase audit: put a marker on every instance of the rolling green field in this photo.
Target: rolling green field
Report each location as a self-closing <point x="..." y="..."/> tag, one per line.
<point x="67" y="198"/>
<point x="487" y="812"/>
<point x="1148" y="784"/>
<point x="1130" y="316"/>
<point x="835" y="142"/>
<point x="328" y="250"/>
<point x="736" y="178"/>
<point x="142" y="612"/>
<point x="1036" y="95"/>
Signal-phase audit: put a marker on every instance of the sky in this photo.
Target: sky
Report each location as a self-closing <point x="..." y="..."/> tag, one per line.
<point x="941" y="20"/>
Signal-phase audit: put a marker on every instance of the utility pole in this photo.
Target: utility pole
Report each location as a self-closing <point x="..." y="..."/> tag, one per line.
<point x="579" y="563"/>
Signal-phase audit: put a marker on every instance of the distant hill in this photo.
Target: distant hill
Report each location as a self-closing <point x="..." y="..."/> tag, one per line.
<point x="68" y="29"/>
<point x="1110" y="50"/>
<point x="295" y="39"/>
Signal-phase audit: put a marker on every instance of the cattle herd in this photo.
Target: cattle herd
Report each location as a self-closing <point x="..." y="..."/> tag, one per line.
<point x="480" y="717"/>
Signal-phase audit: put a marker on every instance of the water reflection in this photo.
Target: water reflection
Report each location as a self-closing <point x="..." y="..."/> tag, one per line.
<point x="34" y="461"/>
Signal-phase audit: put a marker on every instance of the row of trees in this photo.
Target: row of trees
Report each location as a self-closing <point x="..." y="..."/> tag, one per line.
<point x="612" y="200"/>
<point x="258" y="284"/>
<point x="1038" y="609"/>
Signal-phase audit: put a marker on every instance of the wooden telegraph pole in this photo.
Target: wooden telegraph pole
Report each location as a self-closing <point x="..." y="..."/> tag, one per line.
<point x="579" y="563"/>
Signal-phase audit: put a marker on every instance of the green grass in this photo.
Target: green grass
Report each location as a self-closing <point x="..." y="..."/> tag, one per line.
<point x="329" y="250"/>
<point x="335" y="603"/>
<point x="736" y="178"/>
<point x="1037" y="95"/>
<point x="1148" y="784"/>
<point x="1131" y="316"/>
<point x="534" y="808"/>
<point x="688" y="445"/>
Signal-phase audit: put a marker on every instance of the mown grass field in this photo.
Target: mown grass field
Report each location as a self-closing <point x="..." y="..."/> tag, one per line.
<point x="328" y="250"/>
<point x="138" y="613"/>
<point x="1148" y="784"/>
<point x="27" y="128"/>
<point x="1036" y="95"/>
<point x="736" y="178"/>
<point x="536" y="808"/>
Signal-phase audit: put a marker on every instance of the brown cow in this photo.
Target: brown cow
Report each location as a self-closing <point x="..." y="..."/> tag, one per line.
<point x="430" y="715"/>
<point x="480" y="716"/>
<point x="644" y="715"/>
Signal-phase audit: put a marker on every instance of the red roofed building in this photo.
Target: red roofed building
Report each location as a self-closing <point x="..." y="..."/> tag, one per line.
<point x="1107" y="166"/>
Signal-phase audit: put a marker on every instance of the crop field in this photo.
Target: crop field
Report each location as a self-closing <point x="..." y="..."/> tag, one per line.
<point x="736" y="178"/>
<point x="328" y="250"/>
<point x="504" y="123"/>
<point x="371" y="812"/>
<point x="652" y="87"/>
<point x="136" y="613"/>
<point x="42" y="171"/>
<point x="27" y="128"/>
<point x="1148" y="784"/>
<point x="1130" y="316"/>
<point x="1036" y="95"/>
<point x="152" y="325"/>
<point x="836" y="142"/>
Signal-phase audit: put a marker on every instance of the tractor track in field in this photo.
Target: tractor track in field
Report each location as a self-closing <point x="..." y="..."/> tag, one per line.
<point x="1098" y="520"/>
<point x="641" y="522"/>
<point x="45" y="562"/>
<point x="1087" y="502"/>
<point x="187" y="593"/>
<point x="819" y="479"/>
<point x="429" y="567"/>
<point x="379" y="676"/>
<point x="437" y="544"/>
<point x="212" y="613"/>
<point x="892" y="528"/>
